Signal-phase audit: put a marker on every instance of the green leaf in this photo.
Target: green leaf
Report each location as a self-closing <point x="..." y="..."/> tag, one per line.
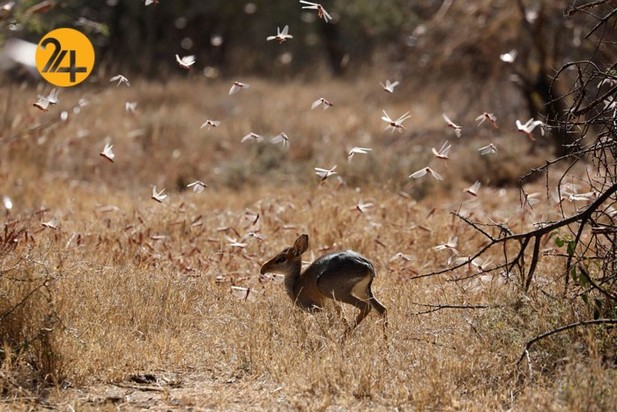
<point x="583" y="279"/>
<point x="597" y="308"/>
<point x="571" y="247"/>
<point x="559" y="241"/>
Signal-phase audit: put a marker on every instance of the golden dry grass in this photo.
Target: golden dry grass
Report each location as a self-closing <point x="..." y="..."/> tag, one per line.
<point x="128" y="303"/>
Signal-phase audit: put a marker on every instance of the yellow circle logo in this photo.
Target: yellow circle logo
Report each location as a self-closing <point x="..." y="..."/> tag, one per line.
<point x="65" y="57"/>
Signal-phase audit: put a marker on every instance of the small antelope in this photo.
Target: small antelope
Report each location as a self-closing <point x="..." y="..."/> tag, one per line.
<point x="342" y="276"/>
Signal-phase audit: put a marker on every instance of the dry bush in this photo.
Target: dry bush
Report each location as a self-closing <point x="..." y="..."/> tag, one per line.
<point x="162" y="143"/>
<point x="27" y="312"/>
<point x="129" y="302"/>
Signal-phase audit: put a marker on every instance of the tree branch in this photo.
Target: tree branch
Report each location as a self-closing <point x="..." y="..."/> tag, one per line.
<point x="562" y="329"/>
<point x="524" y="238"/>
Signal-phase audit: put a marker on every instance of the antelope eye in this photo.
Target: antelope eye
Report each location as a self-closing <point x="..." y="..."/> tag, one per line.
<point x="280" y="259"/>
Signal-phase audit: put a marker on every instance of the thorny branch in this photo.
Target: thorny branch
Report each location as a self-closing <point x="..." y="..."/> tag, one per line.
<point x="526" y="238"/>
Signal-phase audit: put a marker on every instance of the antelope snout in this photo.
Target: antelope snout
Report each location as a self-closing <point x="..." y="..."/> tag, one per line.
<point x="264" y="269"/>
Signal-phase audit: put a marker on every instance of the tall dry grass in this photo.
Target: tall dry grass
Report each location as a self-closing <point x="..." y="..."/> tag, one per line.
<point x="127" y="290"/>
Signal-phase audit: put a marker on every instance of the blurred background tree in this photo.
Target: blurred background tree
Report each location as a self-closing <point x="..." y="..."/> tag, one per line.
<point x="450" y="48"/>
<point x="466" y="40"/>
<point x="227" y="35"/>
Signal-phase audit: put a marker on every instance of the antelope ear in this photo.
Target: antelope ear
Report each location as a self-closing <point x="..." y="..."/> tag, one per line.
<point x="300" y="245"/>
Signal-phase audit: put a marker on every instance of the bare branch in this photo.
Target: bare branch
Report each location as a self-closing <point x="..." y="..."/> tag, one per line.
<point x="525" y="238"/>
<point x="440" y="306"/>
<point x="570" y="11"/>
<point x="562" y="329"/>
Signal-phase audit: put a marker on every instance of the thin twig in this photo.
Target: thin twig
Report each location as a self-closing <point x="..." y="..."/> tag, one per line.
<point x="571" y="10"/>
<point x="595" y="285"/>
<point x="440" y="306"/>
<point x="562" y="329"/>
<point x="24" y="300"/>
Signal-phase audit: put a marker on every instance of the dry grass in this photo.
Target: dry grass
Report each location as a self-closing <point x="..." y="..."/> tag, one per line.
<point x="120" y="295"/>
